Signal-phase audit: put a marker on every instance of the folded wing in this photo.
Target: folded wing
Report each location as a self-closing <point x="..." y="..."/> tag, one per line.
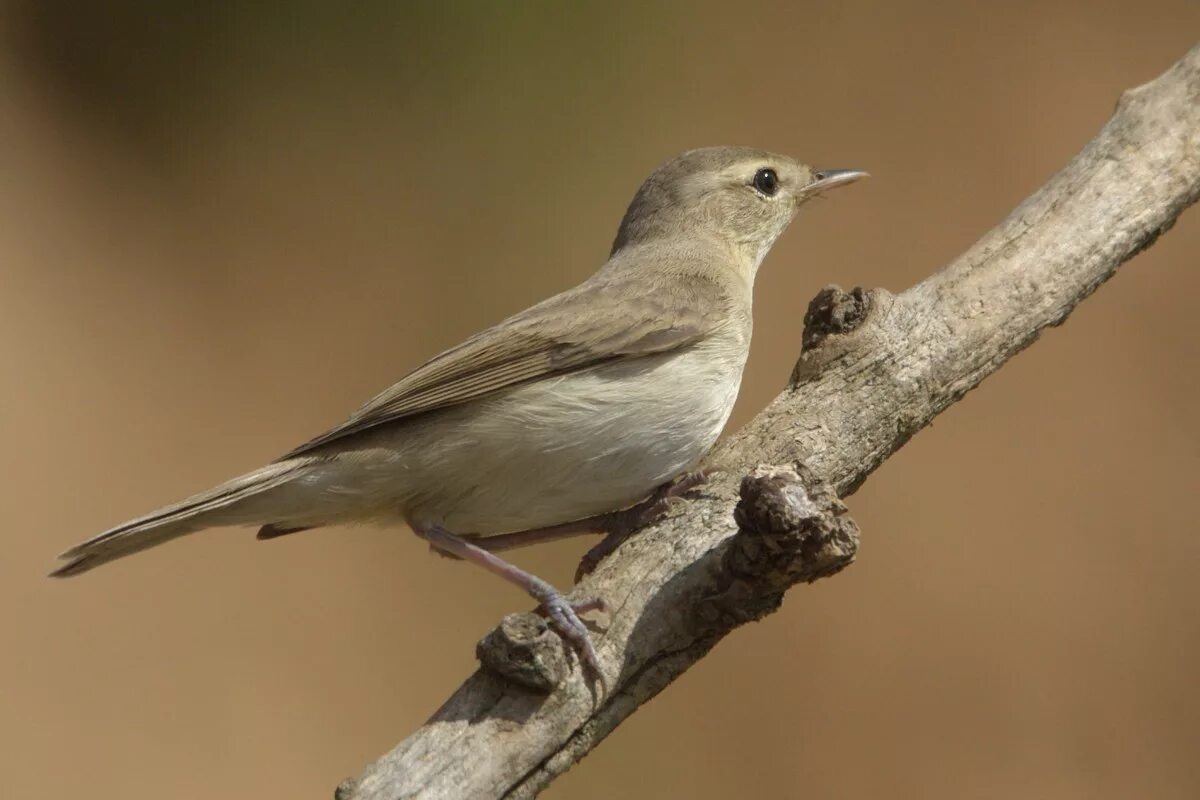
<point x="605" y="318"/>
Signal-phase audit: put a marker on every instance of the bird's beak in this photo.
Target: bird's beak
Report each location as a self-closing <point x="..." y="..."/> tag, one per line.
<point x="832" y="178"/>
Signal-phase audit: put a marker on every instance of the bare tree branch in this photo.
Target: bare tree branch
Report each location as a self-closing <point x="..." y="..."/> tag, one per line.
<point x="875" y="369"/>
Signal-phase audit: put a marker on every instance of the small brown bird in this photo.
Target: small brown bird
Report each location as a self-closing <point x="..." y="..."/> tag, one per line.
<point x="542" y="425"/>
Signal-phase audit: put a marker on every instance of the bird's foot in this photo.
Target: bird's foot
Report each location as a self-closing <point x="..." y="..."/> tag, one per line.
<point x="562" y="613"/>
<point x="564" y="616"/>
<point x="618" y="525"/>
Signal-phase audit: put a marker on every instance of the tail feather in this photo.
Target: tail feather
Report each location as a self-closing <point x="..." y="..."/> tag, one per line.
<point x="217" y="506"/>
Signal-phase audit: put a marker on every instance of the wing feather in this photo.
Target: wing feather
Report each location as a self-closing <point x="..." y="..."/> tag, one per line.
<point x="604" y="318"/>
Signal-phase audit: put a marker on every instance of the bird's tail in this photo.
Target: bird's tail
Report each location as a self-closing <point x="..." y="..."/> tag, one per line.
<point x="222" y="505"/>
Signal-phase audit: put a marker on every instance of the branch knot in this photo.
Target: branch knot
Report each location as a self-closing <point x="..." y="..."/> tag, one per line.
<point x="839" y="324"/>
<point x="791" y="525"/>
<point x="834" y="311"/>
<point x="523" y="649"/>
<point x="792" y="529"/>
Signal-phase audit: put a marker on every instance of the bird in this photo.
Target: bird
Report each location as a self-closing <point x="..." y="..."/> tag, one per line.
<point x="567" y="417"/>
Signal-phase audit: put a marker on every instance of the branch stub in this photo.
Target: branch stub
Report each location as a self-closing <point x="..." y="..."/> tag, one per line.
<point x="523" y="649"/>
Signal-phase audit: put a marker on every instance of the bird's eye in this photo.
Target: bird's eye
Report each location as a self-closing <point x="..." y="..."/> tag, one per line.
<point x="766" y="181"/>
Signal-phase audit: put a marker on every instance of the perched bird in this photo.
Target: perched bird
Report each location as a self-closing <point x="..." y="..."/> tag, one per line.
<point x="554" y="420"/>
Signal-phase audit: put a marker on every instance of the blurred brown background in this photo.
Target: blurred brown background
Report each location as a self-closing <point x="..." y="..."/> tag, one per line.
<point x="223" y="227"/>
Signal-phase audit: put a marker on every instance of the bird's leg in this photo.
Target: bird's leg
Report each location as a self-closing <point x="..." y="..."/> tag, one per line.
<point x="619" y="524"/>
<point x="498" y="542"/>
<point x="616" y="524"/>
<point x="510" y="541"/>
<point x="563" y="613"/>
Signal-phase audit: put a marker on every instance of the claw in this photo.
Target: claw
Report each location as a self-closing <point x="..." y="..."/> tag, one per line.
<point x="564" y="615"/>
<point x="590" y="604"/>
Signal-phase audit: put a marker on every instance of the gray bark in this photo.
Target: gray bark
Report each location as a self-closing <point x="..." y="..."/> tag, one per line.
<point x="875" y="369"/>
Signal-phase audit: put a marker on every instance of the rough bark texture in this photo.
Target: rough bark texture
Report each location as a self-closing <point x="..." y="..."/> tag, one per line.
<point x="875" y="369"/>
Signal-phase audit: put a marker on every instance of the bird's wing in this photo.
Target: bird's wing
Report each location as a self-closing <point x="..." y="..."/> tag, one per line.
<point x="601" y="320"/>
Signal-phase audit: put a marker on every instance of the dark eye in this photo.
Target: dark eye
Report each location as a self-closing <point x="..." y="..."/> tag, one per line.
<point x="766" y="181"/>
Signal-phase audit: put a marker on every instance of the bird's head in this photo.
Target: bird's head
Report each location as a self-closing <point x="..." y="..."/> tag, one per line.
<point x="737" y="195"/>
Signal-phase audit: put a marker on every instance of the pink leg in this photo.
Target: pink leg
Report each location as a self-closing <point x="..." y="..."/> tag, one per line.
<point x="615" y="523"/>
<point x="551" y="533"/>
<point x="562" y="613"/>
